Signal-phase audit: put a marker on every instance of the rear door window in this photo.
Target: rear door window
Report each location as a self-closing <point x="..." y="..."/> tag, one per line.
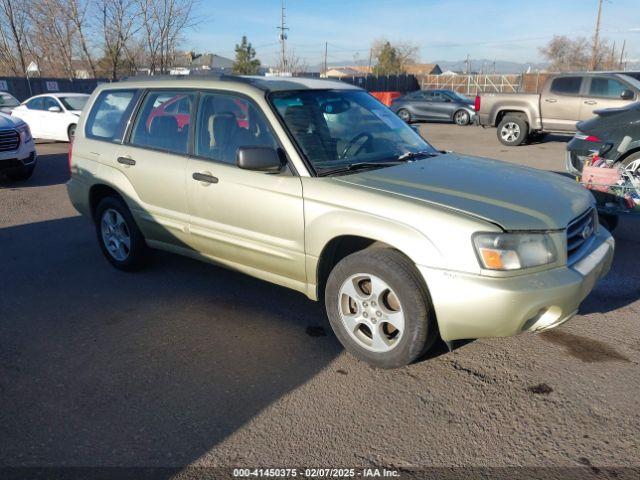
<point x="566" y="85"/>
<point x="606" y="87"/>
<point x="109" y="114"/>
<point x="163" y="121"/>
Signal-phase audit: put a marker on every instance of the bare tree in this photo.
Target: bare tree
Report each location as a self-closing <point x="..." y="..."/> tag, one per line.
<point x="79" y="14"/>
<point x="163" y="23"/>
<point x="119" y="26"/>
<point x="295" y="64"/>
<point x="567" y="54"/>
<point x="54" y="37"/>
<point x="13" y="33"/>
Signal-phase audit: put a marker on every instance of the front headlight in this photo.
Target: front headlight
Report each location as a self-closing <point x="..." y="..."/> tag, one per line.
<point x="514" y="251"/>
<point x="25" y="133"/>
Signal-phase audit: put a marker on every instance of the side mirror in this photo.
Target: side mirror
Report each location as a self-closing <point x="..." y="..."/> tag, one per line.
<point x="416" y="129"/>
<point x="55" y="109"/>
<point x="261" y="159"/>
<point x="447" y="100"/>
<point x="626" y="95"/>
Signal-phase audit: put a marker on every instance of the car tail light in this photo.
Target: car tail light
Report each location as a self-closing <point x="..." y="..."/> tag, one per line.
<point x="588" y="138"/>
<point x="476" y="104"/>
<point x="70" y="153"/>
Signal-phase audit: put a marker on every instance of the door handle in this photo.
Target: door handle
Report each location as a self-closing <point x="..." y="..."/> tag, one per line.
<point x="126" y="161"/>
<point x="590" y="102"/>
<point x="550" y="100"/>
<point x="204" y="177"/>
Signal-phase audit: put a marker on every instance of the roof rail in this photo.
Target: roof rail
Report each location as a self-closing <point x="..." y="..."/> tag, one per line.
<point x="200" y="75"/>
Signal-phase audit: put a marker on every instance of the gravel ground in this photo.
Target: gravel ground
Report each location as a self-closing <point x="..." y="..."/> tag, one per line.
<point x="190" y="364"/>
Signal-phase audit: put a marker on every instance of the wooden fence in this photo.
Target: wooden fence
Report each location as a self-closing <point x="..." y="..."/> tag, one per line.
<point x="474" y="84"/>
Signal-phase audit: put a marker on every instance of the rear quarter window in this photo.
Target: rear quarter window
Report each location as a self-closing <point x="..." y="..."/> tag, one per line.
<point x="566" y="85"/>
<point x="109" y="114"/>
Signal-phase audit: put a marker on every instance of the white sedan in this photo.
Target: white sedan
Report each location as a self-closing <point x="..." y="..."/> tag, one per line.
<point x="52" y="116"/>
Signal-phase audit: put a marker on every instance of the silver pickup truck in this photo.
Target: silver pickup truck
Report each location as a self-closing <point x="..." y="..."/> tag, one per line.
<point x="565" y="100"/>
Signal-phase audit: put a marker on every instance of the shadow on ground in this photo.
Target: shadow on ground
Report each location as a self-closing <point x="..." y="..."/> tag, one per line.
<point x="52" y="169"/>
<point x="100" y="367"/>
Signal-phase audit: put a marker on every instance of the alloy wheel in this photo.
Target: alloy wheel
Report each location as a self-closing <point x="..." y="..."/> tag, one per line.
<point x="371" y="312"/>
<point x="115" y="234"/>
<point x="510" y="132"/>
<point x="461" y="118"/>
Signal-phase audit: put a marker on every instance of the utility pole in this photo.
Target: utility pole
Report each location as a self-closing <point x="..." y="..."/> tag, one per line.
<point x="283" y="37"/>
<point x="624" y="43"/>
<point x="325" y="58"/>
<point x="370" y="56"/>
<point x="596" y="38"/>
<point x="466" y="70"/>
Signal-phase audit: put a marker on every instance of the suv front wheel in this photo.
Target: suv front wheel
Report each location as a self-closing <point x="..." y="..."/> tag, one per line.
<point x="118" y="235"/>
<point x="379" y="308"/>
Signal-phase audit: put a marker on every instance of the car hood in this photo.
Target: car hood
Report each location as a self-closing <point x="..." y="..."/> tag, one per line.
<point x="511" y="196"/>
<point x="7" y="121"/>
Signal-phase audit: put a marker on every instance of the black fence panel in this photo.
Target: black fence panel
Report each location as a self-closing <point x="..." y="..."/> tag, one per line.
<point x="23" y="88"/>
<point x="385" y="83"/>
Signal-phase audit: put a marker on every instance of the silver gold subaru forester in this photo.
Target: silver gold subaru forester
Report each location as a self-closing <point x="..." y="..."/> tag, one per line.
<point x="316" y="186"/>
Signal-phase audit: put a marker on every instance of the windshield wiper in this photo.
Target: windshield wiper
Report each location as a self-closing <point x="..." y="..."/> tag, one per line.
<point x="408" y="156"/>
<point x="402" y="158"/>
<point x="359" y="166"/>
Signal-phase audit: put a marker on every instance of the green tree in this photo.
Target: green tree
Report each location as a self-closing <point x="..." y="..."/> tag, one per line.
<point x="246" y="62"/>
<point x="389" y="60"/>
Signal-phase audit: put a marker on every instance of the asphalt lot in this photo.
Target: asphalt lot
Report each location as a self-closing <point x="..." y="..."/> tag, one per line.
<point x="190" y="364"/>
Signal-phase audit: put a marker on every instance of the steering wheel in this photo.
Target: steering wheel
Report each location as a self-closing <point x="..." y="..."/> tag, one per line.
<point x="355" y="140"/>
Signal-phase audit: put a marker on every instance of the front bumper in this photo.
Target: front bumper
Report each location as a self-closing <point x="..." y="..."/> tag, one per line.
<point x="18" y="160"/>
<point x="473" y="306"/>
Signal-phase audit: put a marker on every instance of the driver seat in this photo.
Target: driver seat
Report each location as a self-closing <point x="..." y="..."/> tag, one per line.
<point x="299" y="120"/>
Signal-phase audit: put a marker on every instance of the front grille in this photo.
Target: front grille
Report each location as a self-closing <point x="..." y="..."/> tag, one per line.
<point x="580" y="233"/>
<point x="9" y="140"/>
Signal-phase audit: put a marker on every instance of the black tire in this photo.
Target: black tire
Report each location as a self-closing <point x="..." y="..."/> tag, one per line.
<point x="462" y="118"/>
<point x="405" y="115"/>
<point x="71" y="132"/>
<point x="420" y="331"/>
<point x="24" y="174"/>
<point x="609" y="221"/>
<point x="518" y="135"/>
<point x="137" y="254"/>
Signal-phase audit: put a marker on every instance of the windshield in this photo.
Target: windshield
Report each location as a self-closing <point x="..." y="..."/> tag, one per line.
<point x="632" y="80"/>
<point x="7" y="100"/>
<point x="337" y="128"/>
<point x="73" y="103"/>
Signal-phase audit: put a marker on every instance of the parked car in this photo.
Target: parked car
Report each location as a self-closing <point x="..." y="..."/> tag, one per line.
<point x="52" y="116"/>
<point x="440" y="105"/>
<point x="7" y="102"/>
<point x="565" y="100"/>
<point x="327" y="192"/>
<point x="17" y="149"/>
<point x="605" y="134"/>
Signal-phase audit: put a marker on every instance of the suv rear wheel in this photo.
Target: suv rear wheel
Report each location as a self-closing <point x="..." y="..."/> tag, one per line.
<point x="118" y="235"/>
<point x="379" y="308"/>
<point x="512" y="130"/>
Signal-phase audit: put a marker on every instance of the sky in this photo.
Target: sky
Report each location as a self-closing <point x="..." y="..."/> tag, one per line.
<point x="442" y="29"/>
